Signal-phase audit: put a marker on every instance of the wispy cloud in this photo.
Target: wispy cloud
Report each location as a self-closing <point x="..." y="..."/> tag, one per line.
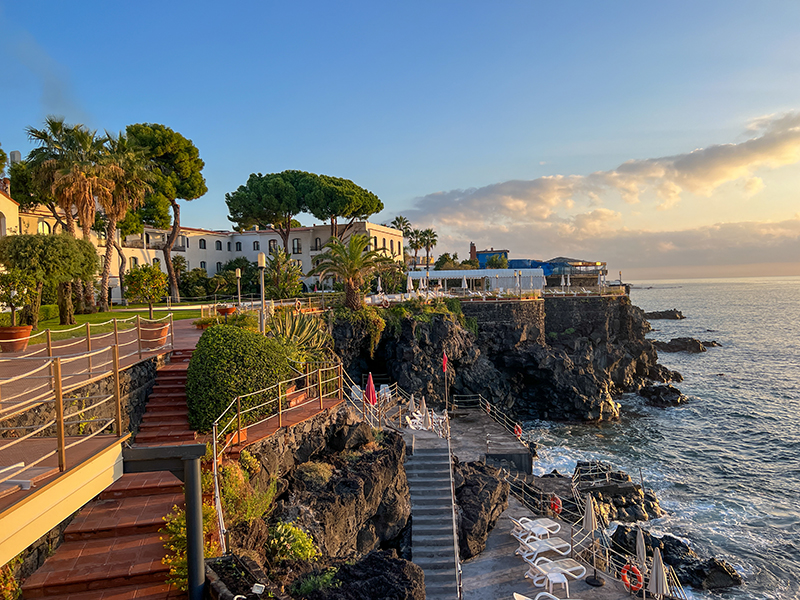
<point x="774" y="142"/>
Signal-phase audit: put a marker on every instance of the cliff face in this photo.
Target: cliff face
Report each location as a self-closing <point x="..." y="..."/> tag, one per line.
<point x="559" y="359"/>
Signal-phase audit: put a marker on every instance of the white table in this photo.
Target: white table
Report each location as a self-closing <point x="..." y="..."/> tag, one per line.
<point x="557" y="577"/>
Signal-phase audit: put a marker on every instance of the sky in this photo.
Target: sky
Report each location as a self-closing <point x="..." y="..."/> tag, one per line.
<point x="663" y="138"/>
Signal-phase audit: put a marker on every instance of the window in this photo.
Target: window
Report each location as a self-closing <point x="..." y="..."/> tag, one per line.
<point x="134" y="261"/>
<point x="297" y="246"/>
<point x="384" y="243"/>
<point x="218" y="245"/>
<point x="44" y="227"/>
<point x="203" y="264"/>
<point x="156" y="262"/>
<point x="238" y="246"/>
<point x="202" y="244"/>
<point x="229" y="246"/>
<point x="184" y="241"/>
<point x="391" y="246"/>
<point x="188" y="268"/>
<point x="272" y="245"/>
<point x="375" y="243"/>
<point x="317" y="244"/>
<point x="256" y="246"/>
<point x="219" y="267"/>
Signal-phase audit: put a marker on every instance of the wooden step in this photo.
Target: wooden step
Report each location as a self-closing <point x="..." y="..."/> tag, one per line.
<point x="147" y="437"/>
<point x="142" y="591"/>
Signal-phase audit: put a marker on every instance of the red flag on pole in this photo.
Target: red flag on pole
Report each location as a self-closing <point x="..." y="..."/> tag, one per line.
<point x="372" y="397"/>
<point x="444" y="363"/>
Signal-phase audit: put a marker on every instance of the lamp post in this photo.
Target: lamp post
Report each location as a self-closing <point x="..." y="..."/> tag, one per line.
<point x="239" y="285"/>
<point x="262" y="264"/>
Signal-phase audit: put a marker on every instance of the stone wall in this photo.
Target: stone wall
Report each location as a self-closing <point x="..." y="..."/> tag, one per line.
<point x="504" y="325"/>
<point x="136" y="382"/>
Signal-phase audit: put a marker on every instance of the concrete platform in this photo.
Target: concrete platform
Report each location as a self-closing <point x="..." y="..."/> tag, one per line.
<point x="475" y="436"/>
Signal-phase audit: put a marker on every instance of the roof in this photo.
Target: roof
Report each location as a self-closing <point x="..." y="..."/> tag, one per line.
<point x="9" y="197"/>
<point x="474" y="273"/>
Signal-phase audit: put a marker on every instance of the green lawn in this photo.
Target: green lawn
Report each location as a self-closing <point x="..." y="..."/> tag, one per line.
<point x="99" y="323"/>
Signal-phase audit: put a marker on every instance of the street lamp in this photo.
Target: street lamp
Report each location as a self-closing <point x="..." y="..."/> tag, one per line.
<point x="262" y="264"/>
<point x="239" y="285"/>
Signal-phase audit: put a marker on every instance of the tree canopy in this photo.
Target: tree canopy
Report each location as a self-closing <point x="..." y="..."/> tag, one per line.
<point x="334" y="198"/>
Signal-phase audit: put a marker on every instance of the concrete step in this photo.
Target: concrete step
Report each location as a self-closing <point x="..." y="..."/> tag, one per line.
<point x="166" y="417"/>
<point x="434" y="564"/>
<point x="442" y="519"/>
<point x="441" y="592"/>
<point x="432" y="553"/>
<point x="444" y="538"/>
<point x="442" y="510"/>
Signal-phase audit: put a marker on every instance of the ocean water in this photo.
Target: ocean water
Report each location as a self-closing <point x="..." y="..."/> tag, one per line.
<point x="725" y="465"/>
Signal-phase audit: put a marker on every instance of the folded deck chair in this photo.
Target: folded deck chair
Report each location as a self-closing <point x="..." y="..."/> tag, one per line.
<point x="537" y="547"/>
<point x="549" y="524"/>
<point x="540" y="568"/>
<point x="522" y="529"/>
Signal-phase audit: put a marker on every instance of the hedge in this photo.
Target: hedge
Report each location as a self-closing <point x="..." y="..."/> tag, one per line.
<point x="228" y="362"/>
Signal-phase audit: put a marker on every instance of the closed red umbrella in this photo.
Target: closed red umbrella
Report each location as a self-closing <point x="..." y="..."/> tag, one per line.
<point x="371" y="396"/>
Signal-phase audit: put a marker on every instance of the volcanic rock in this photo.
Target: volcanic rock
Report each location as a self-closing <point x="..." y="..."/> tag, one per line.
<point x="683" y="344"/>
<point x="672" y="313"/>
<point x="481" y="496"/>
<point x="662" y="395"/>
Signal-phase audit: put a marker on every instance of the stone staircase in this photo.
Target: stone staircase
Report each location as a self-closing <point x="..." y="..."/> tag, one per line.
<point x="112" y="548"/>
<point x="166" y="419"/>
<point x="432" y="535"/>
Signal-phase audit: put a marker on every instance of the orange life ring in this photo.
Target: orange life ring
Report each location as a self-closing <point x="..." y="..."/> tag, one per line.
<point x="298" y="306"/>
<point x="634" y="583"/>
<point x="385" y="303"/>
<point x="518" y="430"/>
<point x="555" y="504"/>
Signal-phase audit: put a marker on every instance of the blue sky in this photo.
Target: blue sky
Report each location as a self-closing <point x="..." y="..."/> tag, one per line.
<point x="434" y="106"/>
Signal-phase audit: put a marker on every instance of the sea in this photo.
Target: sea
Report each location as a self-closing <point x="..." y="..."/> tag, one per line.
<point x="726" y="464"/>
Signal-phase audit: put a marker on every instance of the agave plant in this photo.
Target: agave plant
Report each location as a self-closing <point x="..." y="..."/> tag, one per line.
<point x="307" y="333"/>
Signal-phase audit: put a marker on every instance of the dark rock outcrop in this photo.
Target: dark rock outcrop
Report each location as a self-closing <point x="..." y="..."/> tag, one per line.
<point x="672" y="313"/>
<point x="481" y="496"/>
<point x="380" y="574"/>
<point x="616" y="496"/>
<point x="682" y="344"/>
<point x="364" y="504"/>
<point x="662" y="395"/>
<point x="558" y="359"/>
<point x="704" y="574"/>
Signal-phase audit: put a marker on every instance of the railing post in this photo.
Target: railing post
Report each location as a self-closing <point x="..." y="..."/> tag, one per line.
<point x="239" y="420"/>
<point x="319" y="387"/>
<point x="88" y="348"/>
<point x="280" y="406"/>
<point x="117" y="398"/>
<point x="62" y="452"/>
<point x="341" y="381"/>
<point x="171" y="332"/>
<point x="49" y="343"/>
<point x="139" y="333"/>
<point x="116" y="332"/>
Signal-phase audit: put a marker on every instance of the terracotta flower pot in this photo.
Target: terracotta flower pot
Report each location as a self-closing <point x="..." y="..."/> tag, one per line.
<point x="14" y="339"/>
<point x="226" y="310"/>
<point x="154" y="335"/>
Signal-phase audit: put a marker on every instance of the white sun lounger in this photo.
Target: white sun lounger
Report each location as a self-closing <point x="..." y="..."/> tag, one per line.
<point x="537" y="547"/>
<point x="524" y="523"/>
<point x="542" y="566"/>
<point x="523" y="530"/>
<point x="539" y="596"/>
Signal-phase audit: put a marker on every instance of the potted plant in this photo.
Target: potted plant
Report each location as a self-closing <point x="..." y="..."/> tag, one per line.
<point x="16" y="290"/>
<point x="148" y="283"/>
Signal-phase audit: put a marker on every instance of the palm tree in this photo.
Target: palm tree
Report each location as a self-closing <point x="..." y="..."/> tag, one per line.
<point x="428" y="239"/>
<point x="403" y="224"/>
<point x="415" y="243"/>
<point x="352" y="263"/>
<point x="131" y="171"/>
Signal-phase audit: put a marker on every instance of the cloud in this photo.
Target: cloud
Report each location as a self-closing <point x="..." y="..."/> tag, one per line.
<point x="774" y="142"/>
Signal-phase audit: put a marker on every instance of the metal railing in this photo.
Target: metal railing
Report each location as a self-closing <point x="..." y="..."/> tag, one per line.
<point x="478" y="401"/>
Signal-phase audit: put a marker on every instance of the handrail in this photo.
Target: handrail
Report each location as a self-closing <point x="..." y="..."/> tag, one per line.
<point x="453" y="508"/>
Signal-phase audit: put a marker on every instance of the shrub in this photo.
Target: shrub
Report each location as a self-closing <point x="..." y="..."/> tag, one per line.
<point x="228" y="362"/>
<point x="241" y="502"/>
<point x="315" y="473"/>
<point x="48" y="311"/>
<point x="249" y="463"/>
<point x="288" y="541"/>
<point x="174" y="538"/>
<point x="471" y="323"/>
<point x="317" y="582"/>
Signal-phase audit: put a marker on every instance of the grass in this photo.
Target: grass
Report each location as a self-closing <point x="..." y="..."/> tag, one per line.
<point x="99" y="323"/>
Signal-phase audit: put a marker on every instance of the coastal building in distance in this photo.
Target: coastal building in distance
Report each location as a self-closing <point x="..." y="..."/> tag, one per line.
<point x="581" y="272"/>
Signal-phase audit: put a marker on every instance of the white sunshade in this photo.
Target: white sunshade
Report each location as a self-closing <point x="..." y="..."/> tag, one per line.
<point x="562" y="281"/>
<point x="412" y="406"/>
<point x="426" y="420"/>
<point x="658" y="578"/>
<point x="423" y="408"/>
<point x="464" y="282"/>
<point x="641" y="551"/>
<point x="409" y="284"/>
<point x="589" y="518"/>
<point x="380" y="289"/>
